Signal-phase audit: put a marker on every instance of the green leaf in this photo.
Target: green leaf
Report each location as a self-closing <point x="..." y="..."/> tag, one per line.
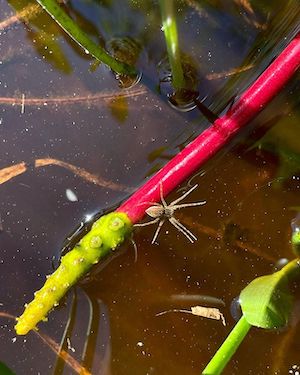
<point x="4" y="370"/>
<point x="267" y="301"/>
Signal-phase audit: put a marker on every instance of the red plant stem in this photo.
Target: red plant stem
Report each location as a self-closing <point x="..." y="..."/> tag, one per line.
<point x="210" y="141"/>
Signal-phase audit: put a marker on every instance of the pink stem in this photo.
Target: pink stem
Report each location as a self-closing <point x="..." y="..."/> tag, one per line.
<point x="210" y="141"/>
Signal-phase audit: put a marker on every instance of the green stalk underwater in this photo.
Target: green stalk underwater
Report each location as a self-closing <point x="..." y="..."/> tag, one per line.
<point x="106" y="234"/>
<point x="82" y="39"/>
<point x="228" y="348"/>
<point x="169" y="28"/>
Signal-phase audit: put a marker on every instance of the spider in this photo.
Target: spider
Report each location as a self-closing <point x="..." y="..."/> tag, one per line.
<point x="163" y="212"/>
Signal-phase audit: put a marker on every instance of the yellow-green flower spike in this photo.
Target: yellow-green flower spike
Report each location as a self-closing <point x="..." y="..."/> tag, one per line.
<point x="106" y="234"/>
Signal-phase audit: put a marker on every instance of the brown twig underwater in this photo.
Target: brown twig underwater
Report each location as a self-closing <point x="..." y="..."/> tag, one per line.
<point x="228" y="73"/>
<point x="8" y="173"/>
<point x="246" y="7"/>
<point x="89" y="99"/>
<point x="69" y="360"/>
<point x="25" y="14"/>
<point x="219" y="235"/>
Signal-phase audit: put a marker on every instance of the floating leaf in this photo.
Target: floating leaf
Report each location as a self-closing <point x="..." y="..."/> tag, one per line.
<point x="267" y="302"/>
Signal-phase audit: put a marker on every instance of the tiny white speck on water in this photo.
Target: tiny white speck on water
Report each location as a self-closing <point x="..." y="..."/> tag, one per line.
<point x="140" y="343"/>
<point x="71" y="196"/>
<point x="14" y="339"/>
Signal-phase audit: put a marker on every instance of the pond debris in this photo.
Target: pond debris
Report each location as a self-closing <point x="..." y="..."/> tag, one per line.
<point x="88" y="99"/>
<point x="27" y="13"/>
<point x="249" y="15"/>
<point x="23" y="104"/>
<point x="70" y="347"/>
<point x="228" y="73"/>
<point x="54" y="346"/>
<point x="162" y="212"/>
<point x="203" y="311"/>
<point x="8" y="173"/>
<point x="202" y="298"/>
<point x="71" y="196"/>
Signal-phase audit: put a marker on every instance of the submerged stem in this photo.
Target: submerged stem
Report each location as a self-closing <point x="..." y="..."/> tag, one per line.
<point x="169" y="28"/>
<point x="81" y="38"/>
<point x="228" y="348"/>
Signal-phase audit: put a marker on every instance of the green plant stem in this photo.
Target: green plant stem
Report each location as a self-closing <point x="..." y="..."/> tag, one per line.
<point x="75" y="32"/>
<point x="170" y="30"/>
<point x="228" y="348"/>
<point x="105" y="235"/>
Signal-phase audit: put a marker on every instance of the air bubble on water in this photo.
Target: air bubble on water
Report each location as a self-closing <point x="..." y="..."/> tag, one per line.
<point x="235" y="309"/>
<point x="280" y="264"/>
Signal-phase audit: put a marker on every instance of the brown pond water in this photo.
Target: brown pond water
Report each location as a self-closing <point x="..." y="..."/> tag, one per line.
<point x="72" y="143"/>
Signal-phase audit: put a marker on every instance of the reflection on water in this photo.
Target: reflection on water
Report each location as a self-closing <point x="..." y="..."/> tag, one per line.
<point x="65" y="125"/>
<point x="95" y="355"/>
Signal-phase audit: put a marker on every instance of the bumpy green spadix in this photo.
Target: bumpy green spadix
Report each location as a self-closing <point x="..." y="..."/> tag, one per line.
<point x="106" y="234"/>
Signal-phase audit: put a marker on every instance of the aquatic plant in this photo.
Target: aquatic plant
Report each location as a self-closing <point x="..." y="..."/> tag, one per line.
<point x="106" y="234"/>
<point x="169" y="28"/>
<point x="76" y="33"/>
<point x="266" y="303"/>
<point x="110" y="231"/>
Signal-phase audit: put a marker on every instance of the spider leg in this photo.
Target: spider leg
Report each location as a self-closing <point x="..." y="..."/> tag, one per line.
<point x="147" y="223"/>
<point x="183" y="196"/>
<point x="162" y="195"/>
<point x="178" y="206"/>
<point x="188" y="234"/>
<point x="161" y="223"/>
